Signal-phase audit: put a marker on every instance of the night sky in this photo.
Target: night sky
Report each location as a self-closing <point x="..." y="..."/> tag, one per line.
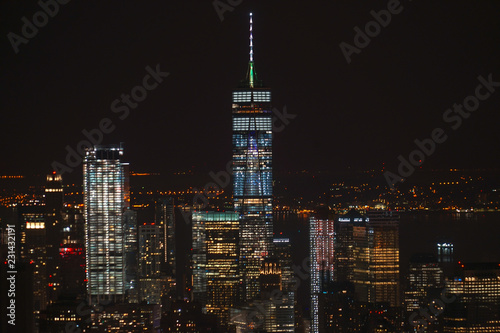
<point x="357" y="115"/>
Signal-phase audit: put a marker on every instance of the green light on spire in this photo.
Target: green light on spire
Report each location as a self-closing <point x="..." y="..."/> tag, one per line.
<point x="251" y="74"/>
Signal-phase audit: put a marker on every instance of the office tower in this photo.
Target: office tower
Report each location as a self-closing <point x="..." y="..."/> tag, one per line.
<point x="199" y="258"/>
<point x="277" y="304"/>
<point x="131" y="253"/>
<point x="472" y="303"/>
<point x="215" y="262"/>
<point x="33" y="251"/>
<point x="270" y="289"/>
<point x="150" y="260"/>
<point x="222" y="235"/>
<point x="344" y="244"/>
<point x="445" y="252"/>
<point x="376" y="259"/>
<point x="282" y="250"/>
<point x="104" y="199"/>
<point x="252" y="173"/>
<point x="270" y="278"/>
<point x="54" y="198"/>
<point x="165" y="218"/>
<point x="321" y="236"/>
<point x="273" y="311"/>
<point x="72" y="252"/>
<point x="425" y="283"/>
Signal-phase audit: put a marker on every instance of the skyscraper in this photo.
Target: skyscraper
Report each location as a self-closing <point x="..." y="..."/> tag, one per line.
<point x="376" y="259"/>
<point x="150" y="260"/>
<point x="104" y="198"/>
<point x="33" y="251"/>
<point x="199" y="258"/>
<point x="54" y="198"/>
<point x="165" y="218"/>
<point x="252" y="173"/>
<point x="344" y="244"/>
<point x="72" y="252"/>
<point x="282" y="250"/>
<point x="425" y="283"/>
<point x="131" y="255"/>
<point x="215" y="262"/>
<point x="321" y="238"/>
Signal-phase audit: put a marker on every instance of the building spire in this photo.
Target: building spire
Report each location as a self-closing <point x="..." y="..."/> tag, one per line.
<point x="251" y="38"/>
<point x="251" y="70"/>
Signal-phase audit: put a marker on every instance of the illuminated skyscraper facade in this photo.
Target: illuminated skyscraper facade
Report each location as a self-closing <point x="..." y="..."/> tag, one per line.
<point x="252" y="174"/>
<point x="131" y="254"/>
<point x="199" y="257"/>
<point x="150" y="260"/>
<point x="215" y="262"/>
<point x="104" y="198"/>
<point x="54" y="198"/>
<point x="425" y="283"/>
<point x="344" y="244"/>
<point x="33" y="251"/>
<point x="376" y="259"/>
<point x="165" y="219"/>
<point x="472" y="303"/>
<point x="321" y="236"/>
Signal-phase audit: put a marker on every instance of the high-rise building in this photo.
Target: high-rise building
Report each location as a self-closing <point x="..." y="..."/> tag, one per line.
<point x="425" y="283"/>
<point x="321" y="237"/>
<point x="150" y="260"/>
<point x="472" y="303"/>
<point x="376" y="259"/>
<point x="199" y="258"/>
<point x="54" y="198"/>
<point x="104" y="198"/>
<point x="165" y="218"/>
<point x="282" y="251"/>
<point x="252" y="173"/>
<point x="215" y="262"/>
<point x="33" y="252"/>
<point x="131" y="253"/>
<point x="72" y="252"/>
<point x="344" y="244"/>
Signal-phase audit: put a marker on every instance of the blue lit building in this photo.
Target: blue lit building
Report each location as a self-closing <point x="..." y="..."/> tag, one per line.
<point x="104" y="197"/>
<point x="252" y="174"/>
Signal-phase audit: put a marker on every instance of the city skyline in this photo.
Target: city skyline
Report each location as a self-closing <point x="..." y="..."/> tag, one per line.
<point x="422" y="92"/>
<point x="352" y="186"/>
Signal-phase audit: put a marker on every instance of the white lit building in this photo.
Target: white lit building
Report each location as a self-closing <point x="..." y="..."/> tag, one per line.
<point x="104" y="198"/>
